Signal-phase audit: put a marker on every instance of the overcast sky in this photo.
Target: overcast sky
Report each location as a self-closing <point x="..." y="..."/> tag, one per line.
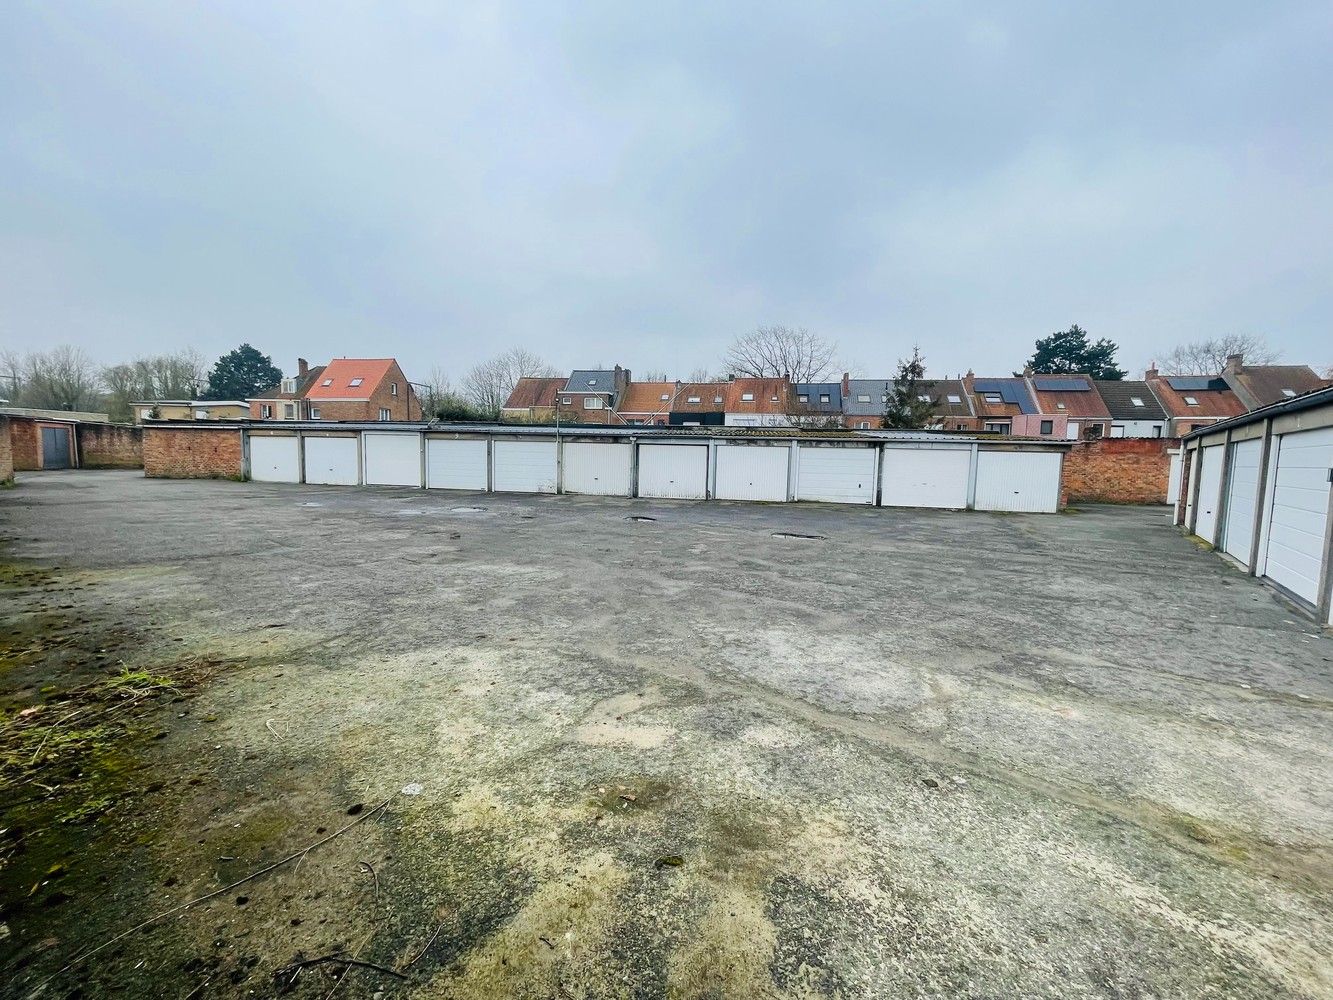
<point x="627" y="182"/>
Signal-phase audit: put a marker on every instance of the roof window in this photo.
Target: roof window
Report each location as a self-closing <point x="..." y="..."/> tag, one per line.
<point x="1288" y="392"/>
<point x="823" y="397"/>
<point x="1060" y="406"/>
<point x="327" y="382"/>
<point x="665" y="395"/>
<point x="1136" y="400"/>
<point x="773" y="399"/>
<point x="955" y="399"/>
<point x="803" y="397"/>
<point x="994" y="397"/>
<point x="1191" y="401"/>
<point x="863" y="397"/>
<point x="356" y="381"/>
<point x="717" y="399"/>
<point x="747" y="397"/>
<point x="592" y="381"/>
<point x="692" y="399"/>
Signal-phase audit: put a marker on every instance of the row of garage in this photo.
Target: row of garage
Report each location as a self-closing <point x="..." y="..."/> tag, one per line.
<point x="953" y="474"/>
<point x="1260" y="490"/>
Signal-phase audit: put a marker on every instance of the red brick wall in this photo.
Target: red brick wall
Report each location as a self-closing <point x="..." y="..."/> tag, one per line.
<point x="26" y="444"/>
<point x="110" y="446"/>
<point x="1118" y="470"/>
<point x="6" y="452"/>
<point x="192" y="453"/>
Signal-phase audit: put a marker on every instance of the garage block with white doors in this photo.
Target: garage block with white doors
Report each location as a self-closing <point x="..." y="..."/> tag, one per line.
<point x="391" y="459"/>
<point x="835" y="473"/>
<point x="332" y="461"/>
<point x="1242" y="487"/>
<point x="1298" y="527"/>
<point x="752" y="472"/>
<point x="524" y="466"/>
<point x="921" y="476"/>
<point x="457" y="463"/>
<point x="597" y="468"/>
<point x="275" y="459"/>
<point x="673" y="471"/>
<point x="1018" y="481"/>
<point x="1209" y="492"/>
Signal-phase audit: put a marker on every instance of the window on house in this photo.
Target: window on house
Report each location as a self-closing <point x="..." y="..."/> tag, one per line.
<point x="863" y="398"/>
<point x="997" y="428"/>
<point x="955" y="399"/>
<point x="1136" y="400"/>
<point x="1288" y="392"/>
<point x="592" y="402"/>
<point x="747" y="397"/>
<point x="884" y="398"/>
<point x="665" y="396"/>
<point x="565" y="400"/>
<point x="265" y="412"/>
<point x="1060" y="406"/>
<point x="592" y="381"/>
<point x="823" y="397"/>
<point x="1156" y="430"/>
<point x="864" y="425"/>
<point x="314" y="413"/>
<point x="385" y="414"/>
<point x="393" y="388"/>
<point x="289" y="385"/>
<point x="692" y="399"/>
<point x="200" y="414"/>
<point x="994" y="397"/>
<point x="1191" y="401"/>
<point x="289" y="411"/>
<point x="327" y="382"/>
<point x="355" y="382"/>
<point x="803" y="397"/>
<point x="1048" y="427"/>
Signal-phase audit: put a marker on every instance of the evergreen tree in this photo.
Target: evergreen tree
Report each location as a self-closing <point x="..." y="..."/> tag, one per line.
<point x="906" y="408"/>
<point x="241" y="374"/>
<point x="1070" y="352"/>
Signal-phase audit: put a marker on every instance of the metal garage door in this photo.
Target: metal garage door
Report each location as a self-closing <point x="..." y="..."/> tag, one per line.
<point x="1210" y="485"/>
<point x="455" y="464"/>
<point x="925" y="477"/>
<point x="835" y="475"/>
<point x="1242" y="485"/>
<point x="55" y="448"/>
<point x="1300" y="511"/>
<point x="1018" y="481"/>
<point x="331" y="461"/>
<point x="1173" y="483"/>
<point x="524" y="466"/>
<point x="392" y="459"/>
<point x="274" y="460"/>
<point x="675" y="471"/>
<point x="598" y="468"/>
<point x="752" y="472"/>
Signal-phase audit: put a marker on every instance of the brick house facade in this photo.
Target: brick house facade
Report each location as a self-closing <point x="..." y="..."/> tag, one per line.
<point x="355" y="389"/>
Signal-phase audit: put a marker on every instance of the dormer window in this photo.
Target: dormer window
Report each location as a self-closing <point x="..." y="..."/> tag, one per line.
<point x="289" y="385"/>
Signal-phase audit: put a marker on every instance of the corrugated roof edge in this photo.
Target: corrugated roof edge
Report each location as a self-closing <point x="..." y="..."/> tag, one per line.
<point x="1311" y="399"/>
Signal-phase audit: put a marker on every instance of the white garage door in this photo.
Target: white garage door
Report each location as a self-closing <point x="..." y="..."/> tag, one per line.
<point x="925" y="477"/>
<point x="331" y="461"/>
<point x="524" y="466"/>
<point x="1210" y="485"/>
<point x="1300" y="511"/>
<point x="1173" y="483"/>
<point x="674" y="471"/>
<point x="455" y="464"/>
<point x="597" y="468"/>
<point x="1018" y="480"/>
<point x="752" y="472"/>
<point x="1242" y="485"/>
<point x="274" y="460"/>
<point x="392" y="459"/>
<point x="835" y="475"/>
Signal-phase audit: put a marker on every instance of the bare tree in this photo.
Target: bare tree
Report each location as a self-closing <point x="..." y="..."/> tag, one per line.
<point x="488" y="385"/>
<point x="63" y="378"/>
<point x="702" y="375"/>
<point x="163" y="376"/>
<point x="774" y="351"/>
<point x="1209" y="357"/>
<point x="654" y="376"/>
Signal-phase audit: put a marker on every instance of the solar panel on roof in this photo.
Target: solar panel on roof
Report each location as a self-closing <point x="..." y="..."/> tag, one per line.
<point x="1194" y="383"/>
<point x="1010" y="390"/>
<point x="1060" y="384"/>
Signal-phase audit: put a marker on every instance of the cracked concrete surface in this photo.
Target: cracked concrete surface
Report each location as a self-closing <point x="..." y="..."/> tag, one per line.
<point x="930" y="754"/>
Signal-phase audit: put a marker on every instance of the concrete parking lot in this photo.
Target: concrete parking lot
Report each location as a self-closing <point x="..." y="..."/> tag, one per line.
<point x="657" y="749"/>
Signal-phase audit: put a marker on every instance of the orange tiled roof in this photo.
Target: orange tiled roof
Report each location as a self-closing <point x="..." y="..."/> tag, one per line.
<point x="529" y="392"/>
<point x="336" y="381"/>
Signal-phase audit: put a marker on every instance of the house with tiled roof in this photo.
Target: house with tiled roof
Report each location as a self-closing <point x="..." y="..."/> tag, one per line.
<point x="1262" y="385"/>
<point x="590" y="396"/>
<point x="1193" y="401"/>
<point x="1135" y="411"/>
<point x="1068" y="406"/>
<point x="758" y="402"/>
<point x="346" y="389"/>
<point x="1004" y="405"/>
<point x="647" y="403"/>
<point x="817" y="404"/>
<point x="532" y="400"/>
<point x="699" y="404"/>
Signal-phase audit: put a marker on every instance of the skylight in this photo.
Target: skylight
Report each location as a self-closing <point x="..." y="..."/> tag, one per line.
<point x="592" y="381"/>
<point x="1060" y="406"/>
<point x="355" y="382"/>
<point x="863" y="398"/>
<point x="747" y="397"/>
<point x="692" y="399"/>
<point x="994" y="397"/>
<point x="665" y="395"/>
<point x="1137" y="401"/>
<point x="1289" y="392"/>
<point x="327" y="381"/>
<point x="803" y="397"/>
<point x="955" y="399"/>
<point x="717" y="399"/>
<point x="1191" y="401"/>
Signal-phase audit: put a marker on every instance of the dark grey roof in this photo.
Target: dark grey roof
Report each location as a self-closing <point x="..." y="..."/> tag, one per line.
<point x="874" y="388"/>
<point x="591" y="381"/>
<point x="816" y="389"/>
<point x="1119" y="399"/>
<point x="1200" y="383"/>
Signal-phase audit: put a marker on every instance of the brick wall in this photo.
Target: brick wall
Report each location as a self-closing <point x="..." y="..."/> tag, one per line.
<point x="6" y="452"/>
<point x="192" y="452"/>
<point x="110" y="446"/>
<point x="1118" y="470"/>
<point x="25" y="444"/>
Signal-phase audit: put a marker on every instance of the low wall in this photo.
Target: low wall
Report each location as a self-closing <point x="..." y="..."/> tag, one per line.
<point x="110" y="446"/>
<point x="6" y="451"/>
<point x="192" y="452"/>
<point x="1119" y="470"/>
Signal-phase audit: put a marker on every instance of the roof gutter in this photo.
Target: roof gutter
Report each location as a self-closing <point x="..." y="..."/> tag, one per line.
<point x="1311" y="400"/>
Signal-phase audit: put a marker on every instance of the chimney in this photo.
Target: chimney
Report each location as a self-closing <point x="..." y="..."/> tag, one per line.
<point x="968" y="380"/>
<point x="1151" y="373"/>
<point x="731" y="376"/>
<point x="302" y="367"/>
<point x="846" y="384"/>
<point x="1235" y="364"/>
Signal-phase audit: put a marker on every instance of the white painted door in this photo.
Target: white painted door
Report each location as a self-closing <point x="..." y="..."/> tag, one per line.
<point x="453" y="464"/>
<point x="1300" y="511"/>
<point x="274" y="460"/>
<point x="600" y="468"/>
<point x="331" y="461"/>
<point x="1018" y="481"/>
<point x="1173" y="484"/>
<point x="752" y="472"/>
<point x="925" y="477"/>
<point x="1242" y="495"/>
<point x="835" y="475"/>
<point x="524" y="466"/>
<point x="392" y="459"/>
<point x="1210" y="483"/>
<point x="673" y="471"/>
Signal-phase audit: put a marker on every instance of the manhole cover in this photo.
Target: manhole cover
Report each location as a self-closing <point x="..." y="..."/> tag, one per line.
<point x="798" y="534"/>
